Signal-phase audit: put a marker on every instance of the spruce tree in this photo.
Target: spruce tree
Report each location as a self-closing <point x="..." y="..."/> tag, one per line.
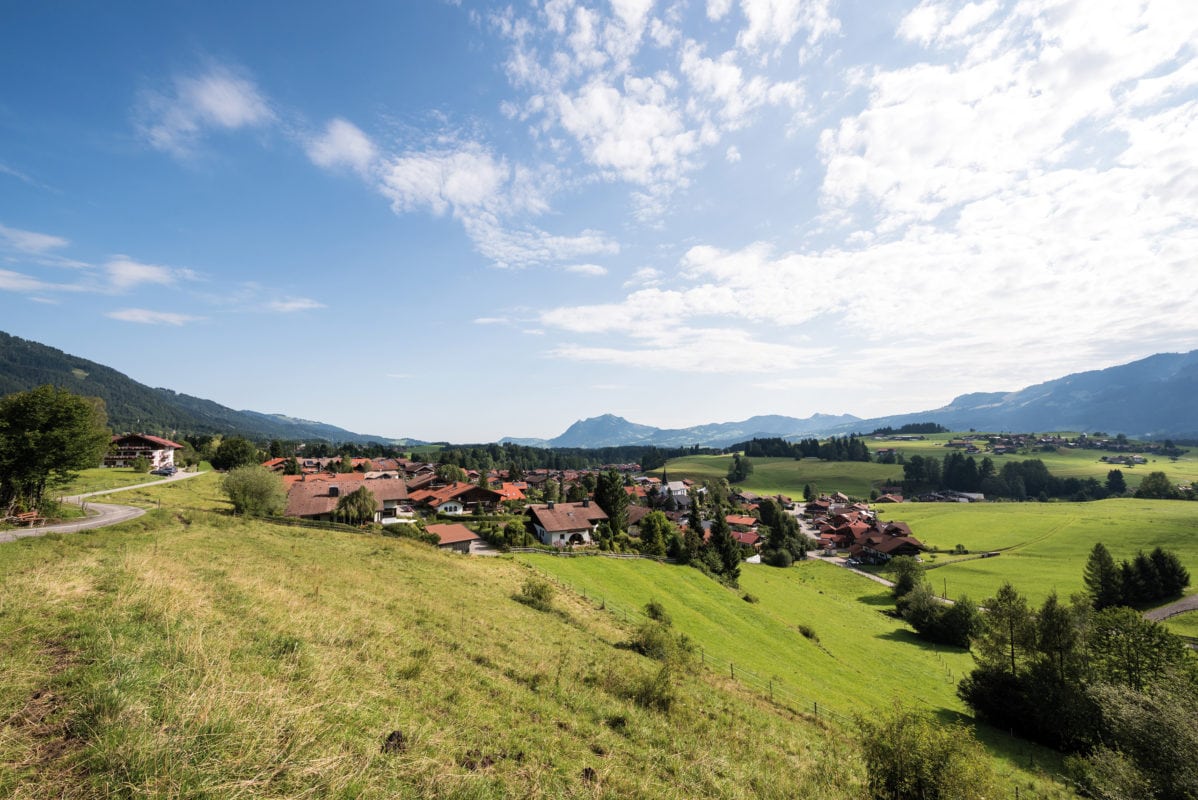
<point x="725" y="547"/>
<point x="1103" y="581"/>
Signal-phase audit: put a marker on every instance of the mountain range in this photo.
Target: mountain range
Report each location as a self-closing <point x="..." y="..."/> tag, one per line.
<point x="1154" y="397"/>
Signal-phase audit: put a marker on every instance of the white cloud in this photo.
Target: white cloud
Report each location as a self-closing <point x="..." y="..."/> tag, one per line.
<point x="592" y="270"/>
<point x="146" y="317"/>
<point x="645" y="277"/>
<point x="732" y="154"/>
<point x="17" y="282"/>
<point x="30" y="241"/>
<point x="516" y="247"/>
<point x="124" y="273"/>
<point x="220" y="99"/>
<point x="290" y="304"/>
<point x="774" y="23"/>
<point x="718" y="9"/>
<point x="342" y="144"/>
<point x="464" y="179"/>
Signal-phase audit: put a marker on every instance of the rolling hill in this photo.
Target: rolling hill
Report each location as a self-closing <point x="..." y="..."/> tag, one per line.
<point x="131" y="405"/>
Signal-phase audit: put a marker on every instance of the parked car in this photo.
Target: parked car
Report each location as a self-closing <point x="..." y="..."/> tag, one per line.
<point x="168" y="471"/>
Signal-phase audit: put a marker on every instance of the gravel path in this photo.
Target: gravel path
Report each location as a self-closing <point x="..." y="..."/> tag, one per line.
<point x="1164" y="612"/>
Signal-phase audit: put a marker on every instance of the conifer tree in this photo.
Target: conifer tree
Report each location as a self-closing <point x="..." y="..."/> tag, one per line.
<point x="1102" y="578"/>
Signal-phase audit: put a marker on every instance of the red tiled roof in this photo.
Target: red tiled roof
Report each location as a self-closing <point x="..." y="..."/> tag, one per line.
<point x="453" y="532"/>
<point x="565" y="517"/>
<point x="747" y="522"/>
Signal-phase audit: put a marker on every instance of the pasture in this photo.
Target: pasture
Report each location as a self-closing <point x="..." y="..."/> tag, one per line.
<point x="788" y="476"/>
<point x="189" y="654"/>
<point x="1044" y="546"/>
<point x="862" y="660"/>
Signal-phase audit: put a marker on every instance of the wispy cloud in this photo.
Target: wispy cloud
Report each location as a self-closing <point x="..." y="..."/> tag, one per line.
<point x="289" y="305"/>
<point x="30" y="241"/>
<point x="145" y="316"/>
<point x="124" y="273"/>
<point x="220" y="99"/>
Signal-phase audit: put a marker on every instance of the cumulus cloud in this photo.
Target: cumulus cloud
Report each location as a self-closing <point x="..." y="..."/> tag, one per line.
<point x="144" y="316"/>
<point x="464" y="178"/>
<point x="342" y="144"/>
<point x="175" y="120"/>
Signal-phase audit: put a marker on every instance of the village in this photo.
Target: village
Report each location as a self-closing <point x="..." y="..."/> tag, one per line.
<point x="558" y="507"/>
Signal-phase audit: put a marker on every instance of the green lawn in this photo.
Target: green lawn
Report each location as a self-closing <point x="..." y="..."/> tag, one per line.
<point x="864" y="660"/>
<point x="1185" y="624"/>
<point x="101" y="478"/>
<point x="1044" y="545"/>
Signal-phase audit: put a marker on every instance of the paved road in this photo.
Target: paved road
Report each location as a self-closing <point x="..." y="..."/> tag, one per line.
<point x="103" y="514"/>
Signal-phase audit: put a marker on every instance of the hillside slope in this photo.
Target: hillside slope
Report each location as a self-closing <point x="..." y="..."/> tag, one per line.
<point x="133" y="406"/>
<point x="193" y="655"/>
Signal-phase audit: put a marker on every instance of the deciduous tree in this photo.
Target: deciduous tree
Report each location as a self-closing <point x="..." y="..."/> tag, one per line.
<point x="255" y="490"/>
<point x="46" y="435"/>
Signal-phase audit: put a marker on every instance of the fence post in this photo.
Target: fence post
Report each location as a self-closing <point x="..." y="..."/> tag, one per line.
<point x="771" y="690"/>
<point x="816" y="708"/>
<point x="732" y="670"/>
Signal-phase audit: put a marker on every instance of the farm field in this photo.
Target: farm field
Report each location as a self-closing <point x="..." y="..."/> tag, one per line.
<point x="849" y="670"/>
<point x="188" y="654"/>
<point x="1044" y="545"/>
<point x="788" y="476"/>
<point x="1065" y="462"/>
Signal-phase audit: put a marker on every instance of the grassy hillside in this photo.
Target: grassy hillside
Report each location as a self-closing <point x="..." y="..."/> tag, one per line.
<point x="862" y="661"/>
<point x="1045" y="545"/>
<point x="190" y="655"/>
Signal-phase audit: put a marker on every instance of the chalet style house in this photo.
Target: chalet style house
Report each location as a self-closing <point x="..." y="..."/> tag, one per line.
<point x="315" y="497"/>
<point x="562" y="524"/>
<point x="129" y="447"/>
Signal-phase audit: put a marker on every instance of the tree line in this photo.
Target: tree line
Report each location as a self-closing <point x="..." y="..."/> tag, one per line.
<point x="1016" y="480"/>
<point x="835" y="448"/>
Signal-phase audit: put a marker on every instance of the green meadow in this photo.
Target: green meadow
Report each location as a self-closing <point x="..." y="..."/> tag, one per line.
<point x="788" y="476"/>
<point x="189" y="654"/>
<point x="1063" y="462"/>
<point x="1185" y="624"/>
<point x="1044" y="546"/>
<point x="861" y="660"/>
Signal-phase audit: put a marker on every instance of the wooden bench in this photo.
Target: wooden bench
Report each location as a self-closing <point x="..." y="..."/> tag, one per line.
<point x="30" y="518"/>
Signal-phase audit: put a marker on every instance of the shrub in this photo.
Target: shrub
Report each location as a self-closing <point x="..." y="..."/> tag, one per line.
<point x="908" y="755"/>
<point x="809" y="632"/>
<point x="750" y="598"/>
<point x="255" y="491"/>
<point x="140" y="464"/>
<point x="656" y="611"/>
<point x="779" y="558"/>
<point x="536" y="593"/>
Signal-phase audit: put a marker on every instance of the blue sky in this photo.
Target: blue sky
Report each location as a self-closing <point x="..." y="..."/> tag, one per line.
<point x="469" y="220"/>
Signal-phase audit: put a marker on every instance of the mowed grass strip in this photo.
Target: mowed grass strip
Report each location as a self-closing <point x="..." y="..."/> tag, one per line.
<point x="1184" y="624"/>
<point x="1044" y="545"/>
<point x="191" y="655"/>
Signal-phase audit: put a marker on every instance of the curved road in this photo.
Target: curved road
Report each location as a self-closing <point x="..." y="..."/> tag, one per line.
<point x="104" y="514"/>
